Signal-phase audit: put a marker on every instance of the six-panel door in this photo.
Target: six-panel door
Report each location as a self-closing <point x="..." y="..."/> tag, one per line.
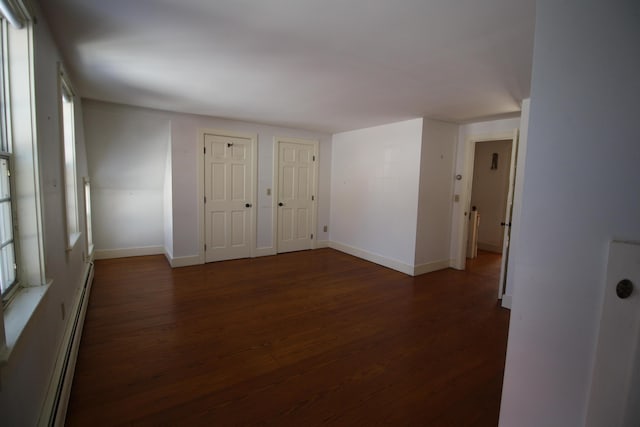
<point x="228" y="191"/>
<point x="295" y="198"/>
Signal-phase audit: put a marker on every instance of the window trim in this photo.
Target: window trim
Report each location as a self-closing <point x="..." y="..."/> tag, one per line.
<point x="73" y="232"/>
<point x="87" y="218"/>
<point x="32" y="288"/>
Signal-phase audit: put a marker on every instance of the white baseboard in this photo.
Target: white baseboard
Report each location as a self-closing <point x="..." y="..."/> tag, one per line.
<point x="430" y="266"/>
<point x="168" y="254"/>
<point x="375" y="258"/>
<point x="184" y="261"/>
<point x="506" y="301"/>
<point x="54" y="409"/>
<point x="453" y="263"/>
<point x="128" y="252"/>
<point x="265" y="252"/>
<point x="490" y="248"/>
<point x="322" y="244"/>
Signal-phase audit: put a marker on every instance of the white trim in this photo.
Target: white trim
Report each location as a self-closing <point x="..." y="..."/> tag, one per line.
<point x="168" y="254"/>
<point x="72" y="230"/>
<point x="183" y="261"/>
<point x="508" y="215"/>
<point x="265" y="251"/>
<point x="128" y="252"/>
<point x="276" y="180"/>
<point x="54" y="409"/>
<point x="253" y="137"/>
<point x="375" y="258"/>
<point x="322" y="244"/>
<point x="506" y="301"/>
<point x="430" y="267"/>
<point x="20" y="72"/>
<point x="88" y="223"/>
<point x="517" y="197"/>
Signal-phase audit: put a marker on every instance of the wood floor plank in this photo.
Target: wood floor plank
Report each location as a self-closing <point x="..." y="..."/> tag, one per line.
<point x="308" y="338"/>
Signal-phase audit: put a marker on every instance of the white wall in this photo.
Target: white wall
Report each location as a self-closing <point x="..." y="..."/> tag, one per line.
<point x="580" y="192"/>
<point x="494" y="129"/>
<point x="437" y="160"/>
<point x="186" y="215"/>
<point x="375" y="173"/>
<point x="127" y="148"/>
<point x="24" y="380"/>
<point x="489" y="191"/>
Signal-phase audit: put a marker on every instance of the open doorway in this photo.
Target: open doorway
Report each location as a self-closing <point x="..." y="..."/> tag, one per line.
<point x="489" y="199"/>
<point x="489" y="194"/>
<point x="490" y="203"/>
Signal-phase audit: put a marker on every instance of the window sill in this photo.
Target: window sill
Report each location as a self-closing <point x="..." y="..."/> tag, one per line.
<point x="17" y="315"/>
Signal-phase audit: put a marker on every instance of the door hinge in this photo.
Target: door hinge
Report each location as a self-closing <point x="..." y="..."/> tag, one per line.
<point x="313" y="198"/>
<point x="312" y="236"/>
<point x="205" y="150"/>
<point x="205" y="199"/>
<point x="314" y="158"/>
<point x="205" y="247"/>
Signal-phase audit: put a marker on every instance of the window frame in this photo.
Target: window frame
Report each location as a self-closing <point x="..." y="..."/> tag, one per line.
<point x="32" y="287"/>
<point x="87" y="218"/>
<point x="7" y="294"/>
<point x="66" y="94"/>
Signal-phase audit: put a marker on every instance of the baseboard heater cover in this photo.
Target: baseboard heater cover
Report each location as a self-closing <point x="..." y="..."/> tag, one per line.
<point x="55" y="408"/>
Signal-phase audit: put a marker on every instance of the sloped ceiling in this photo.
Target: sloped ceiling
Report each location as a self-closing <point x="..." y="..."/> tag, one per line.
<point x="328" y="65"/>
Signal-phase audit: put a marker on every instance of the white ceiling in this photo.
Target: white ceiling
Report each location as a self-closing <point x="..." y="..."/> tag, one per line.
<point x="328" y="65"/>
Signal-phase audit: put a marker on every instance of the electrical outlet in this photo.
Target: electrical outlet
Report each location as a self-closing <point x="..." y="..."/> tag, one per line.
<point x="325" y="228"/>
<point x="62" y="310"/>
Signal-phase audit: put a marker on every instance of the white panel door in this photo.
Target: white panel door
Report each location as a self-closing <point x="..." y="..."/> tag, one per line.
<point x="615" y="386"/>
<point x="296" y="175"/>
<point x="228" y="190"/>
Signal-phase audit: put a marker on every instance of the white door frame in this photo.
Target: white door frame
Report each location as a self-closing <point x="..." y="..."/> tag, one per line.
<point x="276" y="179"/>
<point x="467" y="181"/>
<point x="508" y="215"/>
<point x="254" y="193"/>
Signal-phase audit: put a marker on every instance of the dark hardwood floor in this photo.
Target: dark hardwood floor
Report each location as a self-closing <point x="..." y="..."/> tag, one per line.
<point x="301" y="339"/>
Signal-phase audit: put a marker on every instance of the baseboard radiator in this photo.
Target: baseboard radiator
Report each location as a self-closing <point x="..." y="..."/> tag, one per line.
<point x="55" y="407"/>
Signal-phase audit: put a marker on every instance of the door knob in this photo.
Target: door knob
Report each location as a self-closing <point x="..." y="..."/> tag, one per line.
<point x="248" y="205"/>
<point x="280" y="204"/>
<point x="624" y="289"/>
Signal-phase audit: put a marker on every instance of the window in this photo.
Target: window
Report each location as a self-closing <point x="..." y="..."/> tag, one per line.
<point x="8" y="264"/>
<point x="70" y="181"/>
<point x="22" y="264"/>
<point x="87" y="213"/>
<point x="7" y="245"/>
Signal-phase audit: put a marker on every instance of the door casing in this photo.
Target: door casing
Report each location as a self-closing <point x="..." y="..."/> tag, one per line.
<point x="470" y="147"/>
